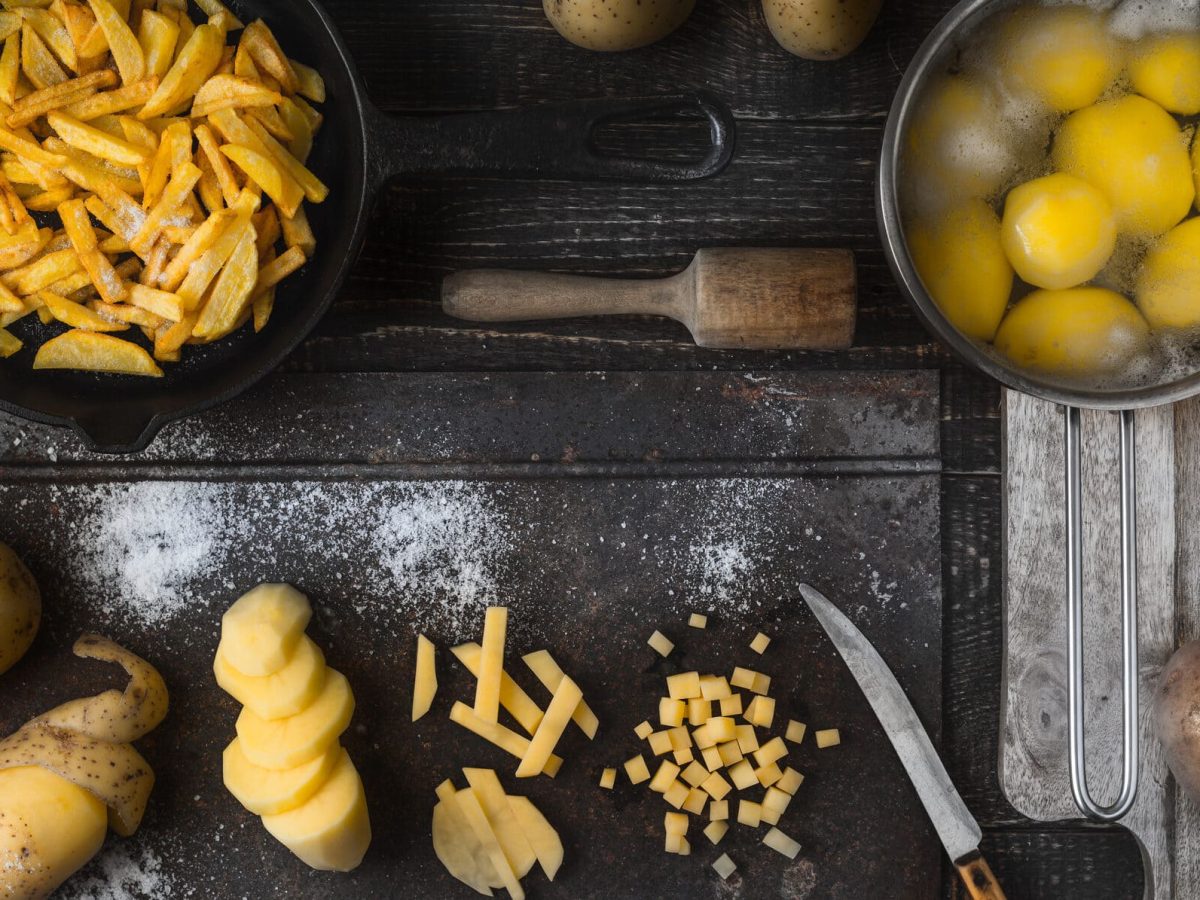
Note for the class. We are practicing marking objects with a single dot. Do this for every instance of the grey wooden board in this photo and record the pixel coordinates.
(1033, 753)
(589, 560)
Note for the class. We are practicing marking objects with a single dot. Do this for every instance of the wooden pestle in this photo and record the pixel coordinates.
(731, 299)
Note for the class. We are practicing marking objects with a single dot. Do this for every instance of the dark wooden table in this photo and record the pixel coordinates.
(803, 175)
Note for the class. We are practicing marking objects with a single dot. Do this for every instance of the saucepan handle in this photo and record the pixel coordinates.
(551, 141)
(1076, 725)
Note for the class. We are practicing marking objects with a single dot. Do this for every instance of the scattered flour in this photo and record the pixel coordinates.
(121, 873)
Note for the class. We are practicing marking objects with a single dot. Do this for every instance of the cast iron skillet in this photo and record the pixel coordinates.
(357, 150)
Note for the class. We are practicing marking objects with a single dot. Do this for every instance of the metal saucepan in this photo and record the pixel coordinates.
(359, 148)
(933, 58)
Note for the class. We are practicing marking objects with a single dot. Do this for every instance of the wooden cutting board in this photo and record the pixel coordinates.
(599, 508)
(1033, 752)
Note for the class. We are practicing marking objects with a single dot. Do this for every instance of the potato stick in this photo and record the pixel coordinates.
(199, 243)
(42, 272)
(127, 52)
(300, 146)
(21, 254)
(93, 140)
(170, 338)
(204, 270)
(156, 261)
(182, 182)
(31, 106)
(219, 162)
(17, 172)
(547, 671)
(491, 663)
(472, 810)
(313, 187)
(77, 315)
(512, 697)
(90, 174)
(161, 303)
(139, 132)
(269, 176)
(298, 233)
(207, 187)
(262, 306)
(232, 92)
(566, 698)
(28, 150)
(10, 302)
(83, 238)
(108, 102)
(216, 8)
(174, 149)
(158, 36)
(178, 234)
(48, 201)
(123, 312)
(309, 82)
(228, 307)
(279, 269)
(49, 178)
(37, 62)
(504, 738)
(269, 56)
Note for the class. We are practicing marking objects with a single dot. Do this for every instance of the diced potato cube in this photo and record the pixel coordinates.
(661, 643)
(711, 757)
(671, 712)
(695, 774)
(791, 781)
(828, 737)
(664, 777)
(724, 866)
(685, 849)
(644, 730)
(760, 643)
(681, 738)
(695, 801)
(742, 775)
(762, 684)
(731, 705)
(761, 712)
(608, 778)
(703, 739)
(772, 751)
(795, 731)
(714, 687)
(684, 756)
(742, 678)
(770, 816)
(749, 813)
(684, 686)
(636, 770)
(718, 810)
(776, 799)
(716, 786)
(660, 742)
(730, 753)
(721, 729)
(781, 843)
(698, 620)
(746, 738)
(768, 775)
(674, 843)
(699, 710)
(714, 831)
(675, 823)
(676, 794)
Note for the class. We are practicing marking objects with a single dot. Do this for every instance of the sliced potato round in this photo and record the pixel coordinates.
(285, 693)
(295, 740)
(267, 792)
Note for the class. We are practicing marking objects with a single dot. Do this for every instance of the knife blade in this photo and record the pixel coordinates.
(956, 827)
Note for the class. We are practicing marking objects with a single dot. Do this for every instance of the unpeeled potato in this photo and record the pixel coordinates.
(20, 608)
(821, 29)
(616, 24)
(1177, 719)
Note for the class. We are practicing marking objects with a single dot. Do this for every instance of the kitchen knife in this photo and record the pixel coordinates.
(952, 820)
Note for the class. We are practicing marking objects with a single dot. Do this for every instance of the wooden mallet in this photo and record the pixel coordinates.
(730, 299)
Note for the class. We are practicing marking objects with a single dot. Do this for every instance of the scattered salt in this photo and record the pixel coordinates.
(121, 873)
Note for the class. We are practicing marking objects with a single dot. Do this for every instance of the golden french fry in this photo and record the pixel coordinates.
(123, 312)
(163, 304)
(208, 188)
(315, 119)
(314, 189)
(298, 233)
(34, 106)
(10, 23)
(278, 269)
(76, 315)
(10, 68)
(90, 173)
(96, 142)
(201, 273)
(232, 92)
(83, 238)
(263, 305)
(77, 287)
(28, 150)
(9, 343)
(182, 181)
(309, 82)
(170, 338)
(156, 261)
(269, 56)
(158, 36)
(264, 171)
(231, 293)
(109, 102)
(138, 132)
(47, 201)
(53, 31)
(174, 148)
(10, 302)
(222, 171)
(216, 8)
(300, 146)
(42, 272)
(17, 250)
(193, 66)
(13, 213)
(37, 62)
(95, 353)
(266, 224)
(195, 247)
(127, 52)
(78, 19)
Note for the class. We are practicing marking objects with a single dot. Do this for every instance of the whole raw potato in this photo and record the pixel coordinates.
(616, 24)
(20, 608)
(1177, 716)
(821, 29)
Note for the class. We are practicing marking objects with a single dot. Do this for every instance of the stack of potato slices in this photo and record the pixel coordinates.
(172, 163)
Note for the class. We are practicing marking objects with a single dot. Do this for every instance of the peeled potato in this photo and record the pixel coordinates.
(20, 608)
(1134, 152)
(267, 792)
(114, 716)
(1058, 231)
(963, 265)
(1078, 332)
(331, 831)
(1166, 69)
(616, 24)
(821, 29)
(546, 843)
(1065, 56)
(1168, 285)
(49, 828)
(281, 694)
(295, 740)
(261, 630)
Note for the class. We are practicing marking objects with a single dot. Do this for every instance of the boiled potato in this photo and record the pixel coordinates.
(295, 740)
(20, 608)
(114, 716)
(261, 630)
(1078, 332)
(1175, 716)
(1058, 231)
(331, 830)
(1134, 152)
(616, 24)
(267, 792)
(1168, 285)
(49, 828)
(1064, 56)
(821, 29)
(1166, 69)
(286, 692)
(961, 260)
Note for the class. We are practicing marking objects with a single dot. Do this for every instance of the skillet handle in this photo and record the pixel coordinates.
(117, 433)
(552, 141)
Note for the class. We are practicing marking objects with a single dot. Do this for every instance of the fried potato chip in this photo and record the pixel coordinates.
(264, 171)
(197, 61)
(232, 92)
(9, 343)
(94, 352)
(158, 36)
(127, 52)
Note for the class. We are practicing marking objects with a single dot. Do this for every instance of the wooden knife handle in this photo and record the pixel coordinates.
(495, 295)
(977, 876)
